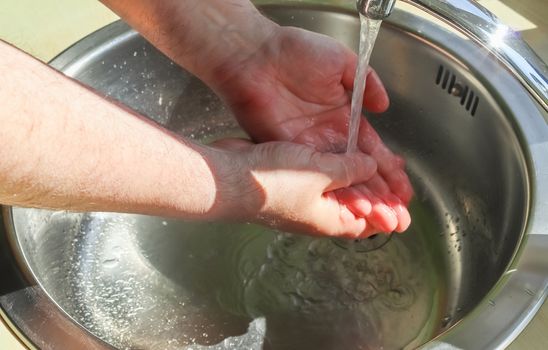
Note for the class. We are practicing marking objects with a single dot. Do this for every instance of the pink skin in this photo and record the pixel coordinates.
(296, 88)
(293, 187)
(283, 84)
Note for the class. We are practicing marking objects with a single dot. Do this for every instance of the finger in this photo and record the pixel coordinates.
(232, 144)
(394, 183)
(349, 70)
(368, 139)
(401, 212)
(351, 225)
(404, 217)
(380, 188)
(399, 183)
(382, 217)
(358, 203)
(354, 200)
(344, 170)
(400, 161)
(375, 97)
(361, 229)
(389, 165)
(338, 219)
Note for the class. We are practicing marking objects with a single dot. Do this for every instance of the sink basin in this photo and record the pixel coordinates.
(470, 272)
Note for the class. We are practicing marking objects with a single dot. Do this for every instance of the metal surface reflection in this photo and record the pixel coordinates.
(485, 28)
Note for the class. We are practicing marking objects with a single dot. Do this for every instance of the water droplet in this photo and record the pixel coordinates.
(446, 321)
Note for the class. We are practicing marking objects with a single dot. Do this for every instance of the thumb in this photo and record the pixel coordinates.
(345, 170)
(338, 220)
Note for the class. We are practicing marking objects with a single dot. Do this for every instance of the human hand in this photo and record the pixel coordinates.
(295, 88)
(290, 187)
(284, 84)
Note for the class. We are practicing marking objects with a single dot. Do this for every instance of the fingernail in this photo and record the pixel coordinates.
(346, 214)
(404, 219)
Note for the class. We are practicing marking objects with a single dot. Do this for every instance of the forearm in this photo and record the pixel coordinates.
(207, 37)
(64, 147)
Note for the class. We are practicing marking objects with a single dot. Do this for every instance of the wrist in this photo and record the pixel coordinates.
(239, 45)
(235, 195)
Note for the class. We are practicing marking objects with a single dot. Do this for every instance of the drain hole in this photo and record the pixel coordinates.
(464, 94)
(440, 73)
(451, 83)
(445, 79)
(454, 86)
(469, 101)
(475, 106)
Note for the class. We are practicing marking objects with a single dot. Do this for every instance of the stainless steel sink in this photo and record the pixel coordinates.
(469, 273)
